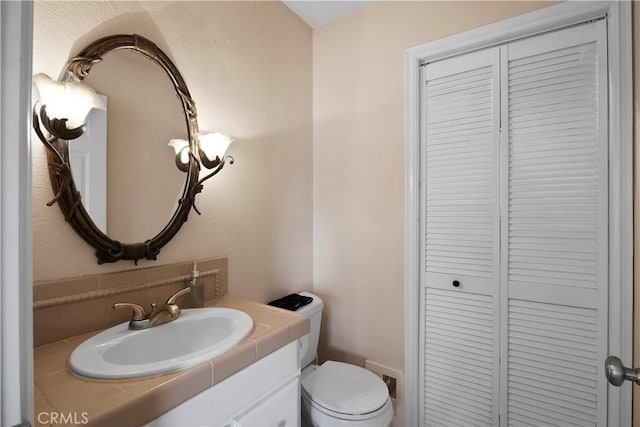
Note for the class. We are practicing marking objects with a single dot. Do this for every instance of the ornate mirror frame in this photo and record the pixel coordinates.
(66, 193)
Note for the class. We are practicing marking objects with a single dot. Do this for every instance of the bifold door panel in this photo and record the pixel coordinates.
(461, 246)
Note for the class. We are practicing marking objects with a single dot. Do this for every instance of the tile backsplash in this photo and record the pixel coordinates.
(68, 307)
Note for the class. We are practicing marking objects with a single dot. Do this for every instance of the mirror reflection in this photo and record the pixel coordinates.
(142, 186)
(88, 160)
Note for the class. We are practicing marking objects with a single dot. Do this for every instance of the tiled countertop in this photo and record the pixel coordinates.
(61, 396)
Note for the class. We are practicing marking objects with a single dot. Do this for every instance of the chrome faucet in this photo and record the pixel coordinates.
(166, 313)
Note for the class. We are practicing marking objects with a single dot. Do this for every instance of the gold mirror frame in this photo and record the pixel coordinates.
(68, 196)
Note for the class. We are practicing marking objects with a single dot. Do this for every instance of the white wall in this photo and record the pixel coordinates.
(248, 67)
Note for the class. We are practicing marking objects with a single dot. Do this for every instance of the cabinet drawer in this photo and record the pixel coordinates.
(279, 409)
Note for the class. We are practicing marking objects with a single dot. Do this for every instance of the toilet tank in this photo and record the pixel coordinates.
(309, 343)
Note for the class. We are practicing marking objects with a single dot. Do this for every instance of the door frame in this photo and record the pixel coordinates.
(620, 59)
(16, 308)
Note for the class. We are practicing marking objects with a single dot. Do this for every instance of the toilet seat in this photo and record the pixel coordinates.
(345, 391)
(380, 417)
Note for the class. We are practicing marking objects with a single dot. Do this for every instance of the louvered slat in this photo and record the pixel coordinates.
(459, 136)
(459, 358)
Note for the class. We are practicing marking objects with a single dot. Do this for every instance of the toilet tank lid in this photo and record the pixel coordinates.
(311, 308)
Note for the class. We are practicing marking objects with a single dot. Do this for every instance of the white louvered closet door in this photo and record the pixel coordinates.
(461, 240)
(554, 278)
(515, 233)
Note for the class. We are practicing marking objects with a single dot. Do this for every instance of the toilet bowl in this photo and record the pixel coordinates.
(339, 394)
(336, 393)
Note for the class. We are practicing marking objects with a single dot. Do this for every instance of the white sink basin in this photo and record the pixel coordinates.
(196, 336)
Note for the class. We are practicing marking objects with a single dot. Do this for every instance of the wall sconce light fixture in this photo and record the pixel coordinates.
(60, 110)
(65, 104)
(210, 149)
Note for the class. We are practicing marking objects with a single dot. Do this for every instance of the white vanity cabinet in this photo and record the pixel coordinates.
(266, 393)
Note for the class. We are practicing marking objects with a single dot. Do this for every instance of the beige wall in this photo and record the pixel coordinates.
(358, 160)
(248, 67)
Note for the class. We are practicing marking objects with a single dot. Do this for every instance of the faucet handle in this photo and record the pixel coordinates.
(138, 311)
(172, 298)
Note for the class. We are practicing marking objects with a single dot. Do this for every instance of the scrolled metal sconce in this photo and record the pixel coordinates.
(50, 130)
(59, 114)
(211, 149)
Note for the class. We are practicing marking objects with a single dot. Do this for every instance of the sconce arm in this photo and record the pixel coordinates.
(64, 172)
(58, 127)
(200, 185)
(58, 130)
(36, 127)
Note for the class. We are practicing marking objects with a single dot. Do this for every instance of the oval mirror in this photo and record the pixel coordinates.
(126, 197)
(141, 184)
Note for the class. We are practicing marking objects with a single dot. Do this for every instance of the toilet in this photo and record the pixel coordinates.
(336, 393)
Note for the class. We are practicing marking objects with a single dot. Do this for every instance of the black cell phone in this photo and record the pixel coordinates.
(291, 302)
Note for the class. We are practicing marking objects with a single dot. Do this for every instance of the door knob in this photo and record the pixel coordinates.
(617, 373)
